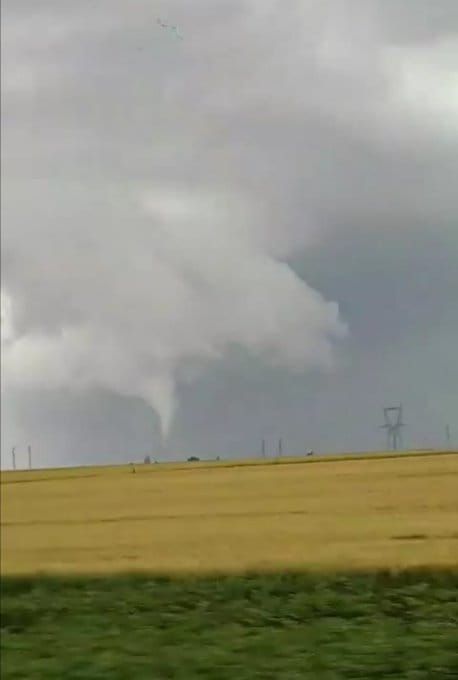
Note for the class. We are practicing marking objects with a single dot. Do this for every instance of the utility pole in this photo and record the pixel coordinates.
(263, 448)
(29, 451)
(280, 447)
(393, 426)
(448, 437)
(13, 455)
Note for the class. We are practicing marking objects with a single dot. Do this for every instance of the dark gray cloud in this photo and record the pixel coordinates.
(176, 215)
(418, 20)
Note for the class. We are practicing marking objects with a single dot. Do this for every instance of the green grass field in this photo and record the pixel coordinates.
(264, 627)
(344, 568)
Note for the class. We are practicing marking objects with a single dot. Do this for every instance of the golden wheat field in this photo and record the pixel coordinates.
(343, 513)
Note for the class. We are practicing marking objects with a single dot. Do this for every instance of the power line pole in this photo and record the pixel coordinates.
(263, 448)
(29, 451)
(393, 426)
(448, 436)
(13, 455)
(280, 447)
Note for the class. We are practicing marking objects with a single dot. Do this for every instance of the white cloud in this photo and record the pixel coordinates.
(185, 288)
(428, 85)
(155, 191)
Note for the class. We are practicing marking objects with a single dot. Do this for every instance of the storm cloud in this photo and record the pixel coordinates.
(251, 231)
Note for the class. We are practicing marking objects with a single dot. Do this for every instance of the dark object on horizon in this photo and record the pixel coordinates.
(393, 426)
(309, 452)
(147, 460)
(448, 437)
(193, 459)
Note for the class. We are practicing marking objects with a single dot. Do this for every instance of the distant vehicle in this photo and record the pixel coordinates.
(193, 459)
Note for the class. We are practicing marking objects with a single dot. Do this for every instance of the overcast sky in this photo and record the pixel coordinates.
(248, 232)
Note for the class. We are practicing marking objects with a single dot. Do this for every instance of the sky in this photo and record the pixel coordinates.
(248, 233)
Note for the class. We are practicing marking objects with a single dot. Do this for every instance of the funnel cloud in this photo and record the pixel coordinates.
(250, 232)
(183, 281)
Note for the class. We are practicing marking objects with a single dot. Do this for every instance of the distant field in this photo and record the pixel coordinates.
(313, 534)
(9, 476)
(340, 513)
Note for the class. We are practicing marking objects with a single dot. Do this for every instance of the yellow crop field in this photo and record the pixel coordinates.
(389, 512)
